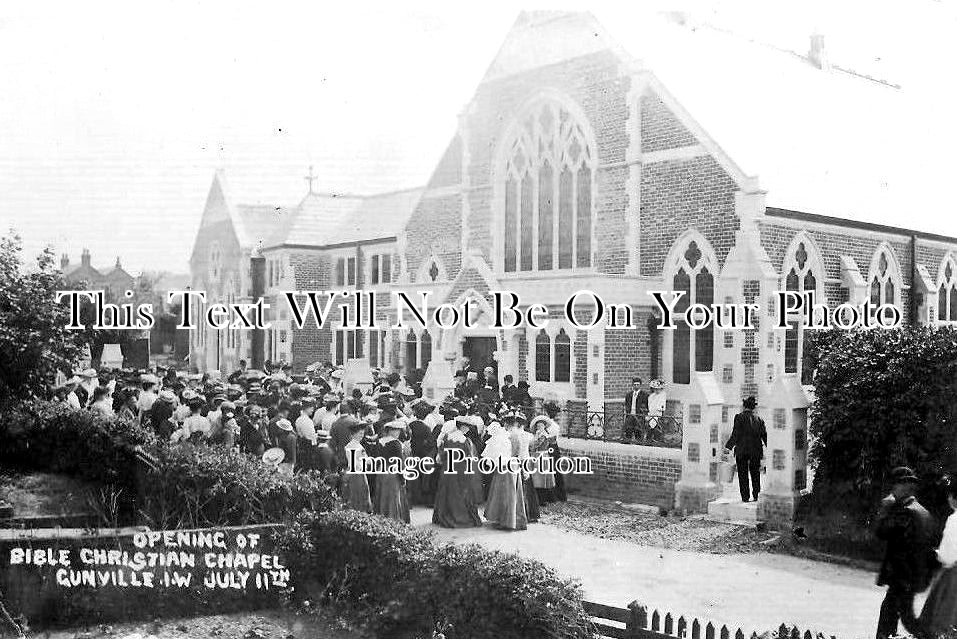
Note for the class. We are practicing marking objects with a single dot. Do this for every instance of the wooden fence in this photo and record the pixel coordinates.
(635, 622)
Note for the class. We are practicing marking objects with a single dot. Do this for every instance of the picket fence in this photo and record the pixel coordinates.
(635, 622)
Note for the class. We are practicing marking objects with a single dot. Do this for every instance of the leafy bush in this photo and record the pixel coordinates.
(883, 398)
(199, 485)
(54, 437)
(189, 485)
(34, 339)
(410, 585)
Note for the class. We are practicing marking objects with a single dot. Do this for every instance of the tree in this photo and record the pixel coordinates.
(34, 339)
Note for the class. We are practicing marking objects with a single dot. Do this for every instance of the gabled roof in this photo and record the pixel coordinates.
(830, 143)
(329, 219)
(378, 217)
(313, 222)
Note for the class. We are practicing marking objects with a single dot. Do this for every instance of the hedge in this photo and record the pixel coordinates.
(411, 586)
(883, 398)
(190, 486)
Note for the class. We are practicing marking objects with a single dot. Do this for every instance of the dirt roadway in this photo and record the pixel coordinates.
(756, 591)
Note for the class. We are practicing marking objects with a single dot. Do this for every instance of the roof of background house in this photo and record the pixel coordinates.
(821, 142)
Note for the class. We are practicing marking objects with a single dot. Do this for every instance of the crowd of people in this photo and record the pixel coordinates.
(311, 421)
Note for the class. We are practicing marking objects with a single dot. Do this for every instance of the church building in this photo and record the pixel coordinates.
(661, 157)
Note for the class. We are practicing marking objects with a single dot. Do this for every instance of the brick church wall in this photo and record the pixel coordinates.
(680, 194)
(860, 245)
(595, 82)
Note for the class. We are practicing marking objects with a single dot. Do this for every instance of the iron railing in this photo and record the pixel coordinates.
(609, 425)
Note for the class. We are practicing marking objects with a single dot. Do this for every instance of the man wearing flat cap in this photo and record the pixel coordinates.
(748, 439)
(909, 559)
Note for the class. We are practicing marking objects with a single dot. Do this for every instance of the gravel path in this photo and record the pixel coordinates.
(692, 570)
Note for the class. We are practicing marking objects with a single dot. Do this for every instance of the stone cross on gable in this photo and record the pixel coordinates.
(310, 179)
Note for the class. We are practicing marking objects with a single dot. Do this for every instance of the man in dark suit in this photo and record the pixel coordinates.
(748, 439)
(909, 560)
(636, 409)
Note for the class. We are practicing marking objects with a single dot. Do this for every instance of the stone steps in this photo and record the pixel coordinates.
(733, 510)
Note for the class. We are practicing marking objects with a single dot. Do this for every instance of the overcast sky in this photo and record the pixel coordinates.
(113, 116)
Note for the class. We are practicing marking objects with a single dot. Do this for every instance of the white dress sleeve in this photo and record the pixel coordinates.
(947, 552)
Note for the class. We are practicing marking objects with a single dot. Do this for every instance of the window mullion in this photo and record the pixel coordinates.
(536, 184)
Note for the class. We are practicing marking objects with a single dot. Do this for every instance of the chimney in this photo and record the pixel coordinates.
(85, 257)
(818, 54)
(64, 261)
(118, 262)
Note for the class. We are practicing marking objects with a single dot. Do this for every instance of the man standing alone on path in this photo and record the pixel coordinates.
(748, 439)
(910, 532)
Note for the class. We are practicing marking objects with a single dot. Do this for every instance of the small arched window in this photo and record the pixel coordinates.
(411, 351)
(884, 279)
(696, 281)
(543, 357)
(425, 349)
(563, 357)
(801, 275)
(947, 292)
(548, 193)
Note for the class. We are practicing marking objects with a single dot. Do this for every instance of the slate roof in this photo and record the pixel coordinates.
(328, 219)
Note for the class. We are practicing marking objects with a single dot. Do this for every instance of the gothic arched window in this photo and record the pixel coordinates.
(411, 351)
(947, 292)
(548, 193)
(802, 274)
(425, 349)
(696, 280)
(563, 357)
(884, 279)
(543, 357)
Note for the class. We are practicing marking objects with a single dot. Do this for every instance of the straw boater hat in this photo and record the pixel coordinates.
(274, 456)
(167, 396)
(656, 384)
(337, 374)
(395, 424)
(284, 424)
(89, 373)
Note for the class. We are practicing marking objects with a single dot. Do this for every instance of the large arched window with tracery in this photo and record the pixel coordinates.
(695, 277)
(947, 291)
(549, 176)
(802, 273)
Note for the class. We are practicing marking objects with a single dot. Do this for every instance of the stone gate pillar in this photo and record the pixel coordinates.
(786, 453)
(702, 416)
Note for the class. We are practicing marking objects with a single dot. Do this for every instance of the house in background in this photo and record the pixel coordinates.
(114, 280)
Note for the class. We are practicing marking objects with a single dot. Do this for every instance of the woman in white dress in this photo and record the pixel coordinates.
(505, 506)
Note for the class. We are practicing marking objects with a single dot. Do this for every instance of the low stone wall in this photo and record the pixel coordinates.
(625, 472)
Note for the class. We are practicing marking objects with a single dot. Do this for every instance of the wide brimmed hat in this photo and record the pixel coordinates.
(904, 475)
(274, 456)
(149, 378)
(551, 405)
(337, 374)
(89, 373)
(656, 384)
(167, 396)
(750, 402)
(284, 424)
(395, 424)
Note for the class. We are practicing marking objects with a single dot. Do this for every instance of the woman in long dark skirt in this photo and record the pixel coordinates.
(516, 430)
(422, 445)
(391, 499)
(354, 487)
(456, 505)
(939, 615)
(551, 411)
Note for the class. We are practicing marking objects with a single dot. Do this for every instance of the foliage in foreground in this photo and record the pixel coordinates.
(883, 398)
(34, 340)
(185, 486)
(410, 585)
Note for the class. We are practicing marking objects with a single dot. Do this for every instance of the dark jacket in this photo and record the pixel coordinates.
(910, 533)
(642, 402)
(749, 436)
